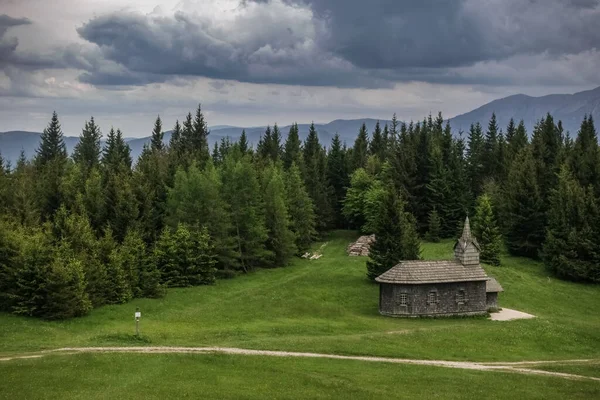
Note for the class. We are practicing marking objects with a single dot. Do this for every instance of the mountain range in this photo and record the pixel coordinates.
(569, 108)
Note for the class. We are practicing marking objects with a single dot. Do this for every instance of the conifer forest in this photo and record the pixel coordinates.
(97, 227)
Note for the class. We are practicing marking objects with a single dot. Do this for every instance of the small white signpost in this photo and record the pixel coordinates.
(138, 315)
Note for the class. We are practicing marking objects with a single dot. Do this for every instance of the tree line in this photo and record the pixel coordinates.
(96, 228)
(536, 196)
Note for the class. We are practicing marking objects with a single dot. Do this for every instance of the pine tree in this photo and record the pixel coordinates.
(65, 294)
(337, 175)
(175, 144)
(517, 142)
(120, 204)
(281, 239)
(585, 158)
(300, 209)
(475, 159)
(243, 142)
(52, 145)
(116, 155)
(215, 154)
(491, 160)
(439, 192)
(241, 191)
(360, 149)
(139, 267)
(87, 150)
(434, 228)
(28, 295)
(377, 145)
(156, 141)
(354, 202)
(571, 245)
(9, 251)
(547, 151)
(372, 206)
(315, 178)
(396, 237)
(194, 138)
(486, 231)
(523, 211)
(50, 164)
(185, 257)
(149, 184)
(292, 152)
(197, 201)
(275, 144)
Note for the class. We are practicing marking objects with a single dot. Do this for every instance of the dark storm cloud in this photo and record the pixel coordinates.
(8, 45)
(393, 34)
(350, 43)
(154, 48)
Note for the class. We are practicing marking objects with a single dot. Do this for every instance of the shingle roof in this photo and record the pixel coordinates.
(493, 286)
(467, 237)
(417, 272)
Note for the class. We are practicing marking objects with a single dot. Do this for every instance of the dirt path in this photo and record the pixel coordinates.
(515, 367)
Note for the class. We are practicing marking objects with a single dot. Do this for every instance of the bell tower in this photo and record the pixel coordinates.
(466, 249)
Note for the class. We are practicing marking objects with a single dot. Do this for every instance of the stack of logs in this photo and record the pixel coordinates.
(361, 246)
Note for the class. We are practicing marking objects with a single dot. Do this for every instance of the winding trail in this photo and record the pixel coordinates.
(515, 367)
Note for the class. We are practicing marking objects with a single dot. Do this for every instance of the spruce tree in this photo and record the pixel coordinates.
(517, 141)
(523, 210)
(116, 156)
(547, 151)
(476, 159)
(185, 257)
(9, 251)
(292, 152)
(396, 237)
(300, 209)
(149, 184)
(571, 246)
(243, 142)
(315, 178)
(585, 158)
(372, 206)
(354, 202)
(281, 239)
(196, 199)
(486, 231)
(337, 175)
(87, 150)
(262, 148)
(50, 162)
(140, 267)
(360, 149)
(377, 145)
(434, 228)
(491, 159)
(28, 295)
(52, 146)
(242, 193)
(156, 140)
(65, 288)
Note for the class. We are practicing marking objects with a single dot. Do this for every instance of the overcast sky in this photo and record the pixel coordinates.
(256, 62)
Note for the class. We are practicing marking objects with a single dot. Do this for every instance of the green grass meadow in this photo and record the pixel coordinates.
(160, 376)
(325, 305)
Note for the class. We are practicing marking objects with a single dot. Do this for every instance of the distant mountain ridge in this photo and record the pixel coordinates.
(569, 108)
(11, 143)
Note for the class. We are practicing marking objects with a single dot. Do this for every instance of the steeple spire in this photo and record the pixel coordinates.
(466, 249)
(466, 235)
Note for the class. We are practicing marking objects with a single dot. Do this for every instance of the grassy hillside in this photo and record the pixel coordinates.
(161, 376)
(328, 306)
